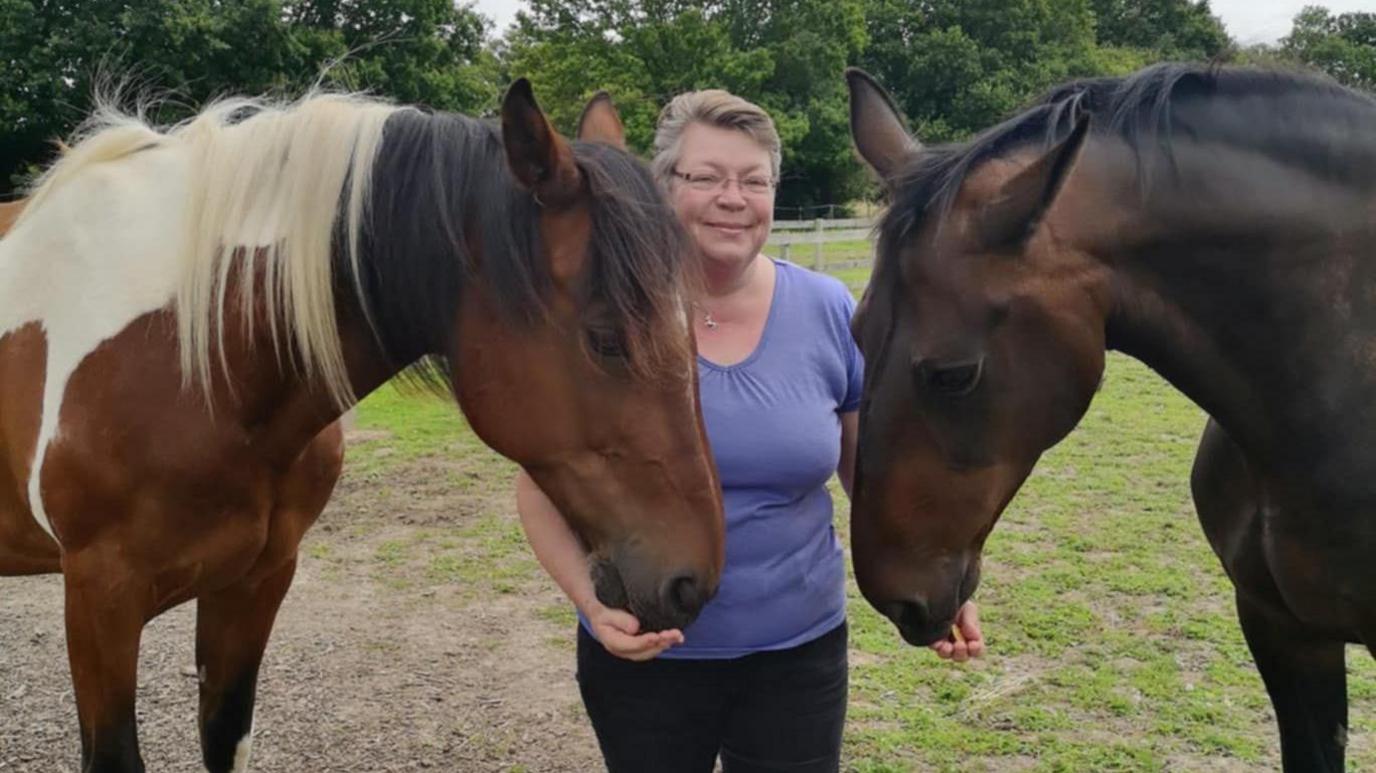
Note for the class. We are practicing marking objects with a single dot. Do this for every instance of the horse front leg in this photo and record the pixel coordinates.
(1307, 680)
(232, 630)
(234, 623)
(1304, 673)
(106, 608)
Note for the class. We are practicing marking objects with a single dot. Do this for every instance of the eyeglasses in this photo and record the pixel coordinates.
(755, 185)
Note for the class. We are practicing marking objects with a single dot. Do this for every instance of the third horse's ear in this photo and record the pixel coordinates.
(541, 160)
(1014, 213)
(878, 130)
(600, 122)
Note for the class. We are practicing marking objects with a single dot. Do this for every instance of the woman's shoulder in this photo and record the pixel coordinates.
(815, 285)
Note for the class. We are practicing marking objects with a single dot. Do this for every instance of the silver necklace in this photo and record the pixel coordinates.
(706, 317)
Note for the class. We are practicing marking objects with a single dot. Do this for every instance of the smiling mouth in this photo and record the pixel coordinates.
(728, 227)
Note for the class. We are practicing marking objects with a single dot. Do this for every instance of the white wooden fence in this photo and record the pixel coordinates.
(791, 239)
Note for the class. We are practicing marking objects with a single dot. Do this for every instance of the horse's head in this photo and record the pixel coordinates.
(983, 336)
(597, 396)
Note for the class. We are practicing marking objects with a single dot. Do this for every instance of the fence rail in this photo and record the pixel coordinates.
(791, 235)
(810, 225)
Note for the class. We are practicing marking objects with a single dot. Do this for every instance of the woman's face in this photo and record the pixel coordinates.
(723, 191)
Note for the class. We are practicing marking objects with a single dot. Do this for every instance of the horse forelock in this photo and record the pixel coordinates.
(639, 251)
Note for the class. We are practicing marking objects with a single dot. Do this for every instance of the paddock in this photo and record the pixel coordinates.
(420, 634)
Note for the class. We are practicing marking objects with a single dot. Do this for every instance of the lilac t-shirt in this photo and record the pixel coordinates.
(773, 421)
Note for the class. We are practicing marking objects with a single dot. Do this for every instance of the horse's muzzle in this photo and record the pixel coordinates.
(659, 606)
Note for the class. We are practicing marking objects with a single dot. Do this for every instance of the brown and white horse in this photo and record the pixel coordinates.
(9, 212)
(184, 314)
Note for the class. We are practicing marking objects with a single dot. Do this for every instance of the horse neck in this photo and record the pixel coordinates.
(1251, 301)
(289, 411)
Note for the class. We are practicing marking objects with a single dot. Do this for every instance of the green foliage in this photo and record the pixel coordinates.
(954, 66)
(786, 55)
(57, 54)
(1344, 46)
(1169, 29)
(957, 66)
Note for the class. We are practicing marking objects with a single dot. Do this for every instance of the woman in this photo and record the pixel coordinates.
(760, 677)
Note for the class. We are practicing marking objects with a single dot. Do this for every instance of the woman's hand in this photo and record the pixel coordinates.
(619, 632)
(970, 642)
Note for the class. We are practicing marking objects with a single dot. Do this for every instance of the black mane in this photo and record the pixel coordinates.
(1274, 112)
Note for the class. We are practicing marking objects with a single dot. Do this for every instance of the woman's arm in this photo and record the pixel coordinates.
(562, 555)
(850, 430)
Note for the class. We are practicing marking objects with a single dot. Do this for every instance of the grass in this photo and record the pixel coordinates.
(1113, 642)
(397, 425)
(848, 261)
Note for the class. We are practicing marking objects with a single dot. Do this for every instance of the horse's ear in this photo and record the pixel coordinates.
(601, 123)
(1014, 213)
(541, 160)
(876, 126)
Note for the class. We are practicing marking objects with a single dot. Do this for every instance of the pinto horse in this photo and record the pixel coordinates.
(1220, 226)
(9, 212)
(184, 314)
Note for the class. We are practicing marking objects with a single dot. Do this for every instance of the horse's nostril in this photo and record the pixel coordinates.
(907, 615)
(684, 594)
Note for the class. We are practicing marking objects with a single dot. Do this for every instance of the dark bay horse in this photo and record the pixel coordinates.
(185, 313)
(1220, 226)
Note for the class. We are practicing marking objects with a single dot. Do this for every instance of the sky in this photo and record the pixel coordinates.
(1248, 21)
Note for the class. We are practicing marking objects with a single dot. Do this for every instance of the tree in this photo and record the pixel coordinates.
(785, 55)
(1343, 46)
(54, 52)
(1167, 29)
(957, 66)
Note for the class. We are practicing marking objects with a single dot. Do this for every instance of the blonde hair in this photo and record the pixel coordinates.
(712, 107)
(267, 192)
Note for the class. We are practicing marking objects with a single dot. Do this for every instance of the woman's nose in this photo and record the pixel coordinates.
(731, 198)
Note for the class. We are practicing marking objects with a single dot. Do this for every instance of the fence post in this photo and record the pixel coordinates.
(783, 251)
(817, 264)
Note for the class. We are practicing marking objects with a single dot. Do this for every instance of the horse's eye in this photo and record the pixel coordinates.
(607, 344)
(950, 380)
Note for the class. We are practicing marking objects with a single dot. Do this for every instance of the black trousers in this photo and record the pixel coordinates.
(770, 711)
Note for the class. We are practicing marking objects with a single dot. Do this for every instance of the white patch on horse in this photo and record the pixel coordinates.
(101, 251)
(243, 751)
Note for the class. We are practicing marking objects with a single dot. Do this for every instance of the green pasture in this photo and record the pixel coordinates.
(1113, 643)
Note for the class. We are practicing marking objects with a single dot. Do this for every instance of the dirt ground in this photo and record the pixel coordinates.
(377, 662)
